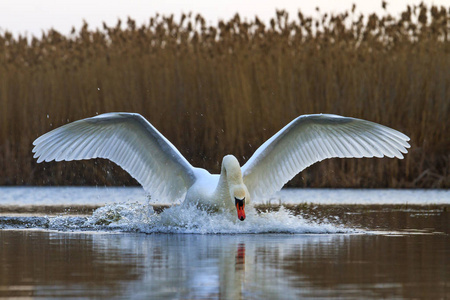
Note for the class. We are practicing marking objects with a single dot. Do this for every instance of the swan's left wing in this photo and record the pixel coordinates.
(311, 138)
(130, 141)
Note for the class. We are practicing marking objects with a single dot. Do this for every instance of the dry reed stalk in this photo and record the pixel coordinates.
(227, 88)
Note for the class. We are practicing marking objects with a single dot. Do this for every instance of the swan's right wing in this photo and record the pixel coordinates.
(130, 141)
(311, 138)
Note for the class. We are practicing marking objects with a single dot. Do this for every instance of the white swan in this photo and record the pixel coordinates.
(130, 141)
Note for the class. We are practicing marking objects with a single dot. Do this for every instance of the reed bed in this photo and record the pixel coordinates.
(226, 88)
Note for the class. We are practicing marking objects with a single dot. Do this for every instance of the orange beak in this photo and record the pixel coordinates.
(240, 205)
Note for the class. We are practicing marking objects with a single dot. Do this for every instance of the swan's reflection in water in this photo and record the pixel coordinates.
(49, 264)
(232, 272)
(240, 257)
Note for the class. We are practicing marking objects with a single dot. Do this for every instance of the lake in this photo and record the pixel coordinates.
(112, 243)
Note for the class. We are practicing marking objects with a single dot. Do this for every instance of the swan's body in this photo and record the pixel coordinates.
(134, 144)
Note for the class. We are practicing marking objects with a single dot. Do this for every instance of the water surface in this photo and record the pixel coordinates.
(127, 250)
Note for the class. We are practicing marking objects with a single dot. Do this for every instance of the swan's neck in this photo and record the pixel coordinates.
(231, 170)
(230, 180)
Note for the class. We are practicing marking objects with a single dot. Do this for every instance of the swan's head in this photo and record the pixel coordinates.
(239, 202)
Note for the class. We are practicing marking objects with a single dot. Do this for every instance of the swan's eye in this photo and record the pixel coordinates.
(239, 202)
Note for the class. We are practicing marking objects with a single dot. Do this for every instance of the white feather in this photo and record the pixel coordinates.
(311, 138)
(128, 140)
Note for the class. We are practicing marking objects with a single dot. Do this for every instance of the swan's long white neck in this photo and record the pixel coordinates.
(230, 183)
(232, 170)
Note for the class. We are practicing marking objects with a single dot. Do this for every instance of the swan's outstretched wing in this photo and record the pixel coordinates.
(312, 138)
(130, 141)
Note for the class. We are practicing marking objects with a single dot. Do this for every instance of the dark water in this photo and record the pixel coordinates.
(402, 254)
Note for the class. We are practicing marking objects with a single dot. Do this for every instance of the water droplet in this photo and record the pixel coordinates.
(98, 89)
(48, 116)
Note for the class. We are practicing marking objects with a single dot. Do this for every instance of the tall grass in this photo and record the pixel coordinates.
(214, 90)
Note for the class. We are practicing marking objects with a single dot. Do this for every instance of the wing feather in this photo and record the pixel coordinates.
(128, 140)
(311, 138)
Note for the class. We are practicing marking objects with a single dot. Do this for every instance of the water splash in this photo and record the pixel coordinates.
(138, 217)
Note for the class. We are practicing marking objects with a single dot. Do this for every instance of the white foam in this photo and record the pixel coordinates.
(179, 219)
(137, 215)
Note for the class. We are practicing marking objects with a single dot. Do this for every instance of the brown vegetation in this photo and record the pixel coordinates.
(214, 90)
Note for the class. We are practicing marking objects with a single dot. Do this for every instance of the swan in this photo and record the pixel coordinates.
(131, 142)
